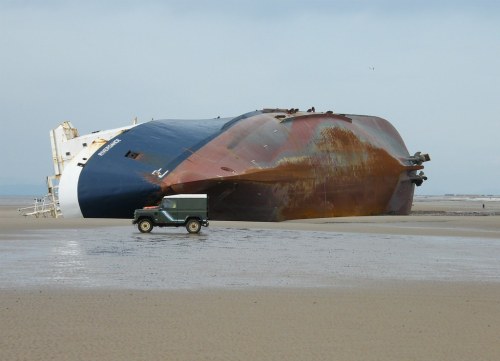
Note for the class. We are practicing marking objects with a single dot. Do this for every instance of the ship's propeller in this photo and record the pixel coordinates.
(418, 158)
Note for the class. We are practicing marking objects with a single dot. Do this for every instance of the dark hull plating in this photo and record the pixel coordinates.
(262, 166)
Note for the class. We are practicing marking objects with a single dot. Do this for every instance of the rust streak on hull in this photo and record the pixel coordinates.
(308, 168)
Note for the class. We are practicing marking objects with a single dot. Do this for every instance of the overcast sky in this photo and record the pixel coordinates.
(99, 64)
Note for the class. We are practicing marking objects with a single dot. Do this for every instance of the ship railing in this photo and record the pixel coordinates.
(46, 206)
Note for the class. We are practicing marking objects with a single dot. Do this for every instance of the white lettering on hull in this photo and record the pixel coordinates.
(108, 147)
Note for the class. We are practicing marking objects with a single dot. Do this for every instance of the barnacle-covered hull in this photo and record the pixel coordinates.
(268, 165)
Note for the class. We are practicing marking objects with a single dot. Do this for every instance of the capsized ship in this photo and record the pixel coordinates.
(266, 165)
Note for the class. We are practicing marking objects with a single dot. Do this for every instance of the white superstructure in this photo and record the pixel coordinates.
(70, 153)
(67, 144)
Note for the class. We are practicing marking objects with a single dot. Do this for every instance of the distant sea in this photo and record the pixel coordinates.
(459, 197)
(17, 200)
(28, 200)
(22, 189)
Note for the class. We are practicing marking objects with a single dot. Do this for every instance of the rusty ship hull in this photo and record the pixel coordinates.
(267, 165)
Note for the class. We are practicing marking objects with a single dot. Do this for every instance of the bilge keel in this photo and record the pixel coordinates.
(267, 165)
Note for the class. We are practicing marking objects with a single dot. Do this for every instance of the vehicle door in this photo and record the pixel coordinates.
(169, 212)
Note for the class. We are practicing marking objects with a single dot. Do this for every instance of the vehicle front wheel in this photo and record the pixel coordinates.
(193, 226)
(145, 226)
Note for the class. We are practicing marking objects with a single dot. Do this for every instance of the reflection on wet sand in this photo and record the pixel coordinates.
(120, 257)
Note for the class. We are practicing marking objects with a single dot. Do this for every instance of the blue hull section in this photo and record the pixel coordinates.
(124, 174)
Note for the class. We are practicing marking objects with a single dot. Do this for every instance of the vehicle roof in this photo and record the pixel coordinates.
(186, 196)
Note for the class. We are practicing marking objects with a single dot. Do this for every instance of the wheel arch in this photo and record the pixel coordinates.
(188, 218)
(140, 218)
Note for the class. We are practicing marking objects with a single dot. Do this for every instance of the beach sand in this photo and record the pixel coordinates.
(386, 320)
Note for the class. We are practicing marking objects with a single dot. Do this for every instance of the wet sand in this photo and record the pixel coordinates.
(385, 319)
(429, 218)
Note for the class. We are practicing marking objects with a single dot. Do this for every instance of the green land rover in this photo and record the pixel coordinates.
(188, 210)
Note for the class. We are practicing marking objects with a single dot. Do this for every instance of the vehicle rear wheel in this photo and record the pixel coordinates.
(145, 226)
(193, 226)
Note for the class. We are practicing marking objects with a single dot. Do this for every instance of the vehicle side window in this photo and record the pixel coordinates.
(169, 203)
